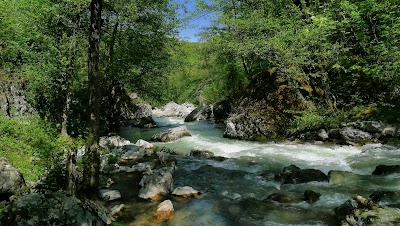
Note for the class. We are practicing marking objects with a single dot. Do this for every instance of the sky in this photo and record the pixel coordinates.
(194, 26)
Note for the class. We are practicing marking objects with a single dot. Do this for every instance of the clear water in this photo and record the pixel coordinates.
(234, 190)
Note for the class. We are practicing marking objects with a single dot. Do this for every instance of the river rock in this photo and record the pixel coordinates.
(201, 153)
(372, 126)
(145, 144)
(52, 209)
(185, 192)
(294, 175)
(165, 210)
(282, 198)
(109, 195)
(386, 169)
(133, 152)
(199, 114)
(172, 134)
(173, 109)
(116, 211)
(158, 184)
(361, 211)
(354, 135)
(389, 132)
(322, 135)
(109, 142)
(11, 180)
(311, 196)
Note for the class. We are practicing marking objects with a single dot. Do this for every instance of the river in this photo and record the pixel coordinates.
(234, 189)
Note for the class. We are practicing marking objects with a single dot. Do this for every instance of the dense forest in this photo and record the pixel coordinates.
(283, 68)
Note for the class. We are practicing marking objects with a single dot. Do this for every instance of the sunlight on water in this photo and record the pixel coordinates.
(234, 190)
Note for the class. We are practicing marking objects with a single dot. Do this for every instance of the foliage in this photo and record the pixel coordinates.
(31, 145)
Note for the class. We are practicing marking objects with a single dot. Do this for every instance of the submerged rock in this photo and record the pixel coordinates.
(52, 209)
(201, 153)
(11, 180)
(386, 169)
(385, 196)
(341, 177)
(172, 134)
(294, 175)
(282, 198)
(185, 192)
(311, 196)
(165, 210)
(361, 211)
(158, 184)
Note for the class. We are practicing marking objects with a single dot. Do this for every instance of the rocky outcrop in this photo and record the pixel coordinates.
(173, 109)
(52, 209)
(386, 169)
(263, 111)
(11, 181)
(361, 211)
(294, 175)
(172, 134)
(165, 210)
(185, 192)
(158, 184)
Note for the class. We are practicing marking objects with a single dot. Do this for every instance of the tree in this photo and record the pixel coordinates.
(91, 176)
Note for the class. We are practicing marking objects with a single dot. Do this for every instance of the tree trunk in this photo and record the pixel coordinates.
(92, 171)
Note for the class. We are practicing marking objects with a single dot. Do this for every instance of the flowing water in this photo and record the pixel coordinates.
(234, 190)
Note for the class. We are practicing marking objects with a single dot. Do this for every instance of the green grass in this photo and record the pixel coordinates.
(29, 144)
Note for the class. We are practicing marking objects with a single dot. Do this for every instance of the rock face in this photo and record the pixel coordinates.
(385, 170)
(361, 211)
(294, 175)
(173, 109)
(158, 184)
(11, 180)
(52, 209)
(109, 195)
(185, 192)
(12, 101)
(172, 134)
(165, 210)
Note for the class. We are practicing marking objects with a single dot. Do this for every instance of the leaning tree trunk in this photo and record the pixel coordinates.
(92, 171)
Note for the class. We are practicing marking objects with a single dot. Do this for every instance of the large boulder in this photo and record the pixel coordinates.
(139, 115)
(52, 209)
(350, 135)
(361, 211)
(11, 181)
(145, 144)
(386, 169)
(172, 134)
(109, 195)
(173, 109)
(217, 112)
(294, 175)
(158, 184)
